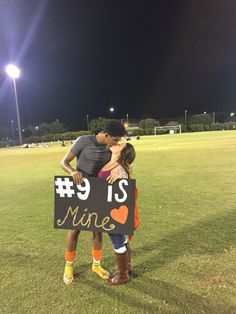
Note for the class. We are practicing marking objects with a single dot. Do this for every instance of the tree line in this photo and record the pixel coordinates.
(56, 130)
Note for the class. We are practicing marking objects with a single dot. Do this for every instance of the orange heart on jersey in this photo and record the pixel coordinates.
(120, 214)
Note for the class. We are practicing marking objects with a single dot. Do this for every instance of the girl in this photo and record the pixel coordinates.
(118, 168)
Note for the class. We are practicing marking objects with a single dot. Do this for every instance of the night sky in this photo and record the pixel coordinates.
(145, 58)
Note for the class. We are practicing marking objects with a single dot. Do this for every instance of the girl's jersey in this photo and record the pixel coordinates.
(123, 175)
(119, 171)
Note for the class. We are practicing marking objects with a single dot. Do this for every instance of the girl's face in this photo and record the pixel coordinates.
(116, 149)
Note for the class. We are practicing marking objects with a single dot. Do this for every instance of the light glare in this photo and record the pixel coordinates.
(13, 71)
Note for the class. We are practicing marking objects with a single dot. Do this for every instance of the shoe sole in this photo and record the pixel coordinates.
(67, 281)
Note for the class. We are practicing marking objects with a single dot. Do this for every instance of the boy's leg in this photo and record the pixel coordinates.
(97, 255)
(71, 243)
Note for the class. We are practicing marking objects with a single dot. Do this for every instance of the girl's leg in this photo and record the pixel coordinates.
(128, 249)
(121, 276)
(97, 255)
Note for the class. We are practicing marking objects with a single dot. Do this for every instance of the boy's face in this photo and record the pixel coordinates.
(111, 140)
(117, 149)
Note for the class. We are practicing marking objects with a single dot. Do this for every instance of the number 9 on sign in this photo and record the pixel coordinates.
(84, 189)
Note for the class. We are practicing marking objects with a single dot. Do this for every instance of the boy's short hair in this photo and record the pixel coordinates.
(114, 128)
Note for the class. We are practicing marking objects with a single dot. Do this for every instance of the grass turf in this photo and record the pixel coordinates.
(184, 253)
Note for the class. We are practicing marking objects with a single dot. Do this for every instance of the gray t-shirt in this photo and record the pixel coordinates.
(91, 156)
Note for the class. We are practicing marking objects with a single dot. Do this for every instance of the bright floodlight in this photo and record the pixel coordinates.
(111, 109)
(13, 71)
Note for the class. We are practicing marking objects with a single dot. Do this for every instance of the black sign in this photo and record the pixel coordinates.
(94, 205)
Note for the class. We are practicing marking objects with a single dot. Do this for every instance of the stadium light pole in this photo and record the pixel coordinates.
(213, 117)
(111, 109)
(12, 130)
(88, 121)
(14, 73)
(185, 119)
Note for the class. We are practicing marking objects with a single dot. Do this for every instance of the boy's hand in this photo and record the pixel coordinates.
(77, 177)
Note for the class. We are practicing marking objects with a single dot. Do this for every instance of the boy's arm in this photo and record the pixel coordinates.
(66, 161)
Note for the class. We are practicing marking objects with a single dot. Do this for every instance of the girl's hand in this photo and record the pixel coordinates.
(112, 178)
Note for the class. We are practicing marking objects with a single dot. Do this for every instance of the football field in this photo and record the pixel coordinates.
(183, 254)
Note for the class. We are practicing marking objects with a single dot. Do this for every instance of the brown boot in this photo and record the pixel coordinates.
(121, 276)
(129, 268)
(128, 250)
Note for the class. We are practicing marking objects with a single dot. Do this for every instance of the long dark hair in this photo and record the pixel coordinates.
(127, 156)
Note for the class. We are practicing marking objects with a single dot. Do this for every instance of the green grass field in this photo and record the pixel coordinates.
(184, 254)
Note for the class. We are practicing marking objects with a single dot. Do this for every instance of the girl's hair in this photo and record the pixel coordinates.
(127, 156)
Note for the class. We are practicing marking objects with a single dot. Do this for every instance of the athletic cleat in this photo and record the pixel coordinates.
(68, 273)
(101, 272)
